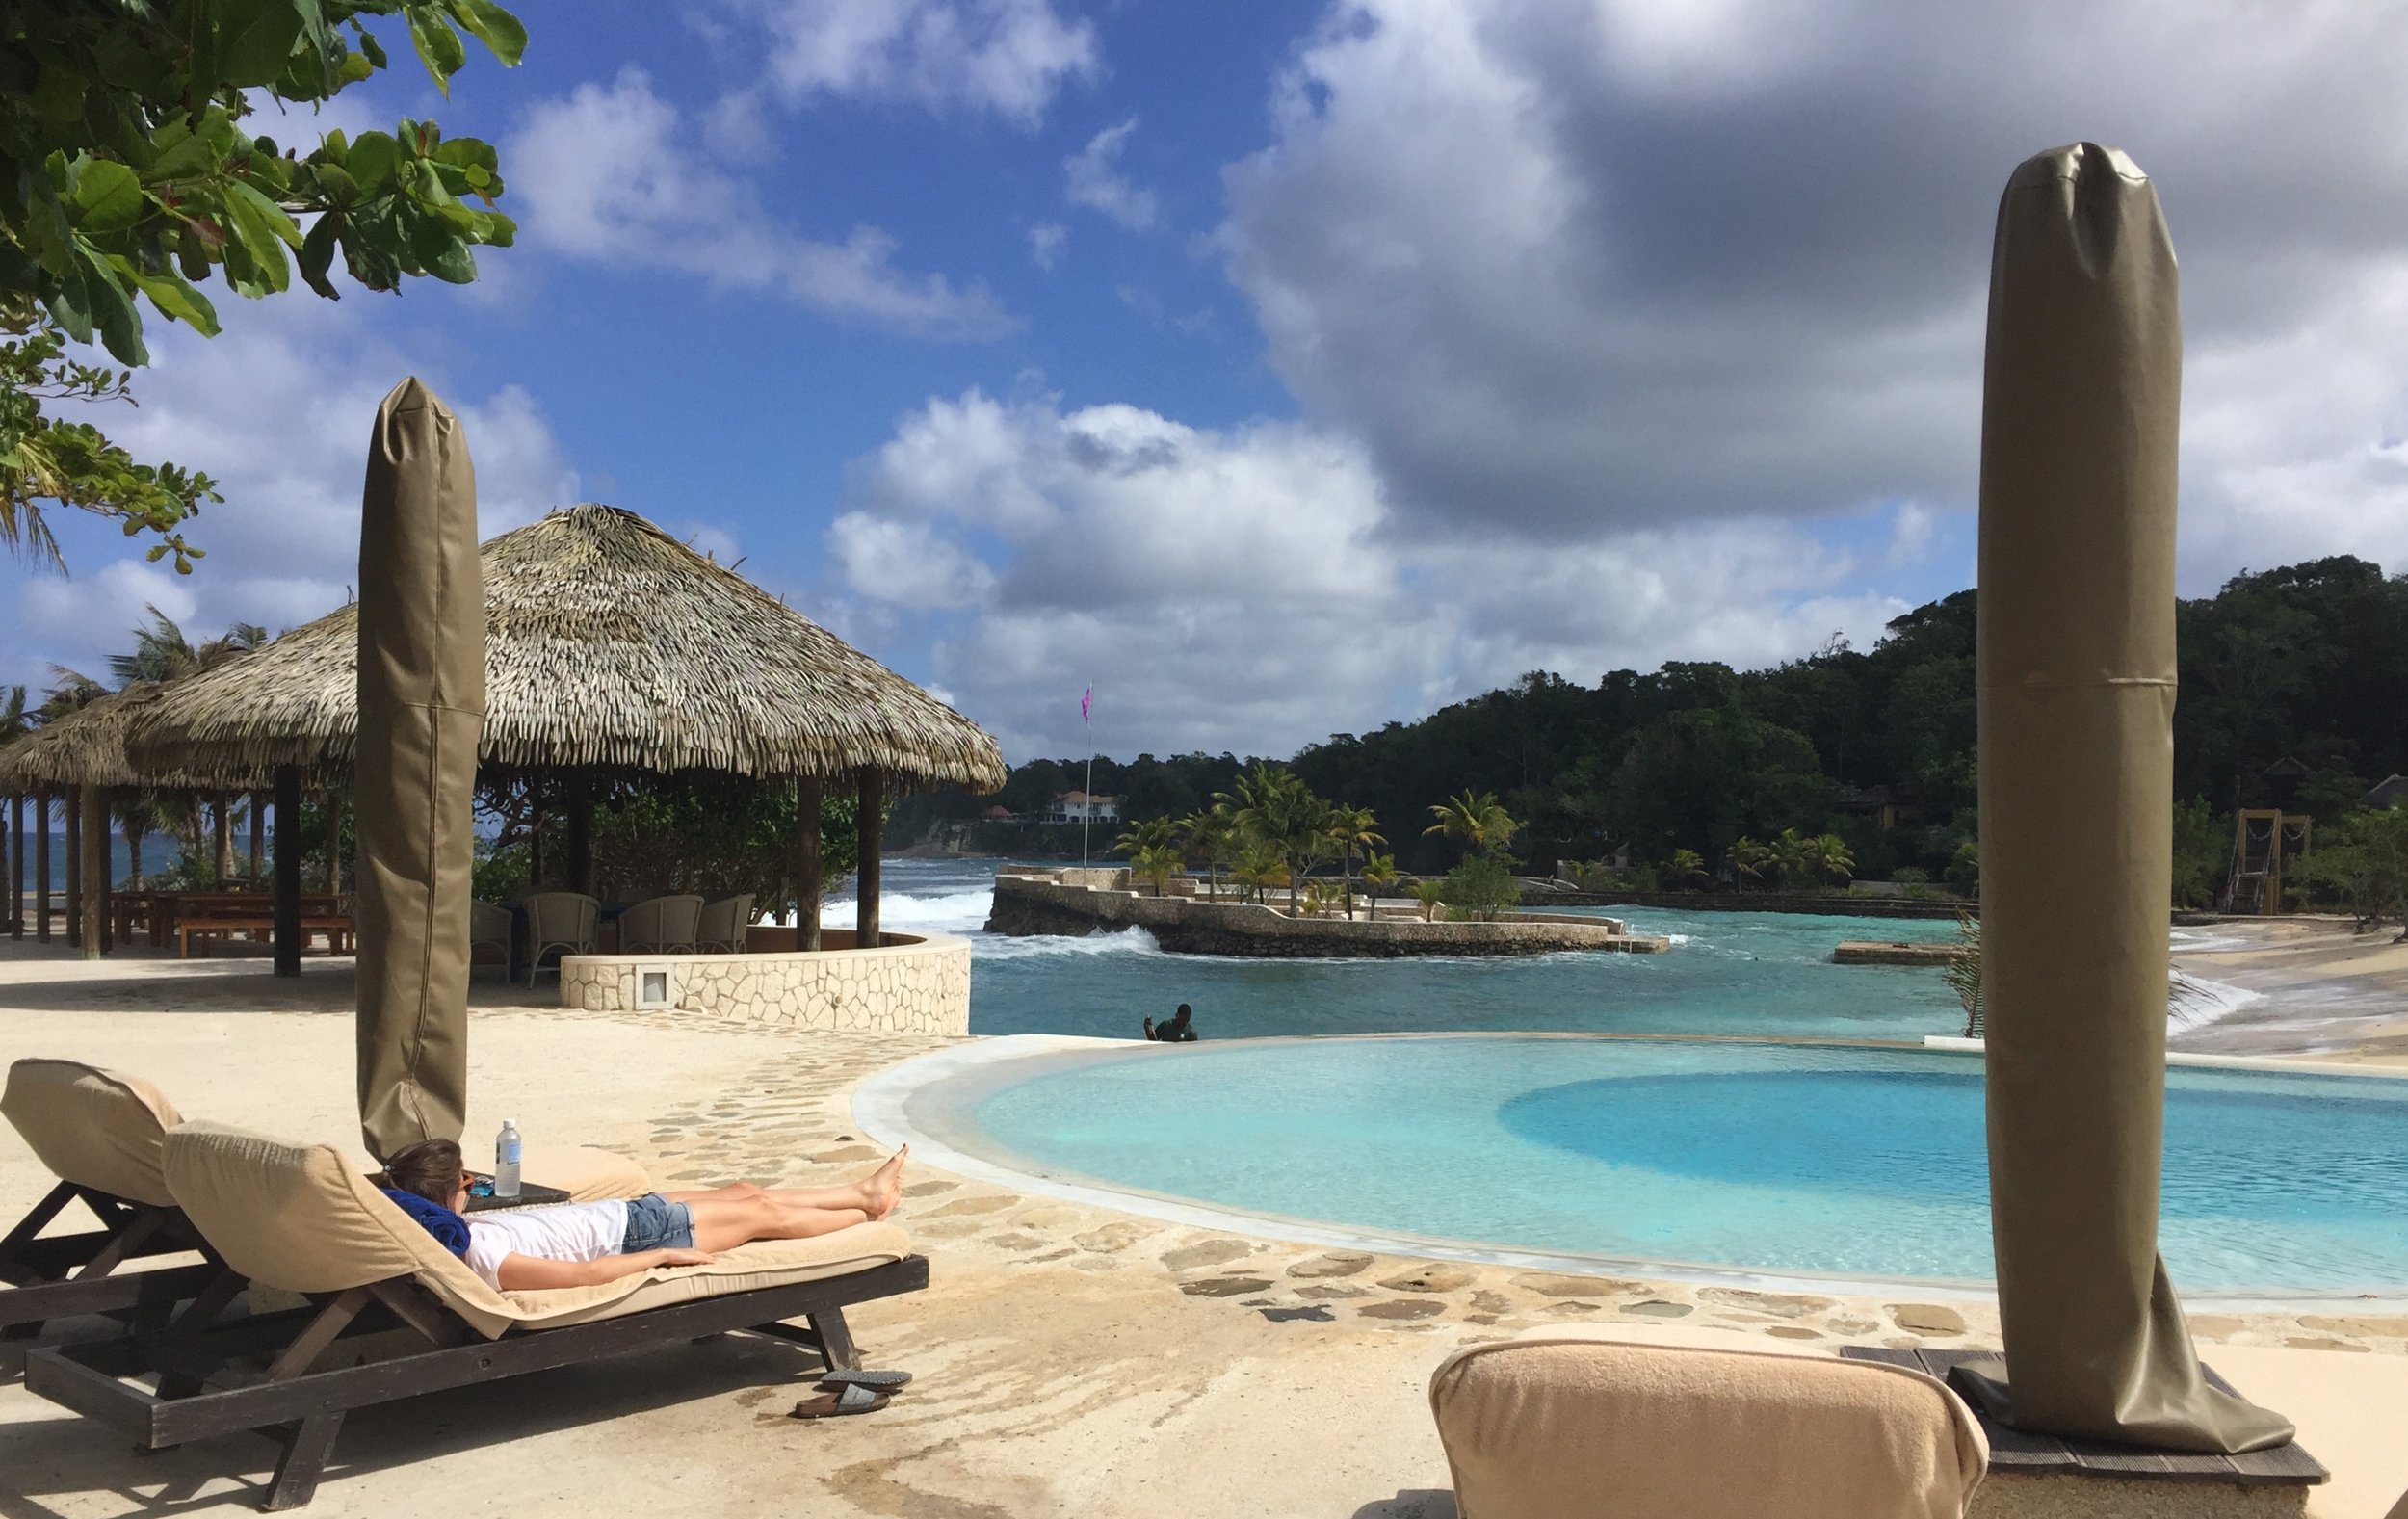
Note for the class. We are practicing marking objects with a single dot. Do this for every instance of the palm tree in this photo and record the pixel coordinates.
(1380, 872)
(1430, 894)
(1206, 834)
(1476, 818)
(1350, 828)
(1272, 807)
(1154, 833)
(1750, 860)
(1832, 858)
(1154, 862)
(1260, 865)
(1686, 866)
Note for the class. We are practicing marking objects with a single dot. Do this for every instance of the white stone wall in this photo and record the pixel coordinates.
(920, 987)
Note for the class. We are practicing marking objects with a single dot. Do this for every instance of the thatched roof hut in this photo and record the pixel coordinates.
(607, 644)
(88, 746)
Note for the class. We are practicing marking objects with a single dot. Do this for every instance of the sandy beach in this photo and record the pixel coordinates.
(1071, 1360)
(2322, 990)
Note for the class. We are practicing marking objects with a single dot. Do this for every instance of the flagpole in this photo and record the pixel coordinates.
(1086, 814)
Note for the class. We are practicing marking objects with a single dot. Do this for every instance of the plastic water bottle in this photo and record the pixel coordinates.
(506, 1159)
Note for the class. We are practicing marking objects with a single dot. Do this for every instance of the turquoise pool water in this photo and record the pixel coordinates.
(1774, 1158)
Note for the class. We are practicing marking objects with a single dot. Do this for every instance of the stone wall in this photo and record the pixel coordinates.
(1837, 905)
(1033, 904)
(918, 986)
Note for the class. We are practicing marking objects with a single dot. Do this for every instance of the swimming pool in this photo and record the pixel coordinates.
(1774, 1159)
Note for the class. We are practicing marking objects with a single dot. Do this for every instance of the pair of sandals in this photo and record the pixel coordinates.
(844, 1393)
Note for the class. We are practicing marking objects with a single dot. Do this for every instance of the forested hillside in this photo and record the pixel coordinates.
(2308, 663)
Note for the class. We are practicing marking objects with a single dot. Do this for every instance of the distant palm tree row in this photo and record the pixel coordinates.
(161, 653)
(1270, 830)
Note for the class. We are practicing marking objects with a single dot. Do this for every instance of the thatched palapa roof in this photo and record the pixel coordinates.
(607, 642)
(88, 747)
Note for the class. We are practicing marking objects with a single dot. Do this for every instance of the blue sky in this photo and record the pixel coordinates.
(1288, 369)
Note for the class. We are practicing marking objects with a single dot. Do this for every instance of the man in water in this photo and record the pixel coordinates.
(1179, 1030)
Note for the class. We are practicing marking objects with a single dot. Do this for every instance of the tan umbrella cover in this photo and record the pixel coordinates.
(2081, 394)
(421, 711)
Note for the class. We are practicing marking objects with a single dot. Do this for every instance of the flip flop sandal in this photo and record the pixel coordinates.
(876, 1381)
(837, 1404)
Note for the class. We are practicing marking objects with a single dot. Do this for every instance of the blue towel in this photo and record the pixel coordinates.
(450, 1229)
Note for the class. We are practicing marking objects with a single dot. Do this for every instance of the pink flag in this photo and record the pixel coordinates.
(1086, 706)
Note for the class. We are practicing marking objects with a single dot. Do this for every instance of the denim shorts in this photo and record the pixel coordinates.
(656, 1223)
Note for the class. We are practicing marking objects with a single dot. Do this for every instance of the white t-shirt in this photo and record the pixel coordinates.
(562, 1231)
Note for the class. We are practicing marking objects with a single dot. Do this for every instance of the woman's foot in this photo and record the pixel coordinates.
(882, 1189)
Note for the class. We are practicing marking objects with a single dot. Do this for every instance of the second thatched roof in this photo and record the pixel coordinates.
(607, 642)
(88, 747)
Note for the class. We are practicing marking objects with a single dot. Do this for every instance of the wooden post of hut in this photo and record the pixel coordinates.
(71, 809)
(809, 883)
(93, 902)
(581, 831)
(16, 867)
(41, 868)
(288, 870)
(258, 838)
(334, 843)
(869, 822)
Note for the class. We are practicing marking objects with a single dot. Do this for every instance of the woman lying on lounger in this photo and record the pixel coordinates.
(582, 1244)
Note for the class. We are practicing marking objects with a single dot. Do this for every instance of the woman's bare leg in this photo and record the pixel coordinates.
(721, 1221)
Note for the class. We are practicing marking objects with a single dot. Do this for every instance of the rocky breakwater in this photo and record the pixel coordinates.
(1027, 904)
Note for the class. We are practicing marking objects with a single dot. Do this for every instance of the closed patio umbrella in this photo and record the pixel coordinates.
(2080, 395)
(421, 714)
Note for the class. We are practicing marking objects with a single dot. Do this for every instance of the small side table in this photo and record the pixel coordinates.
(530, 1195)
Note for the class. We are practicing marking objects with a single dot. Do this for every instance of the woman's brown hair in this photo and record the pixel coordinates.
(431, 1168)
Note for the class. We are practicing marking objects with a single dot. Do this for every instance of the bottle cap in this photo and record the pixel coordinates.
(509, 1123)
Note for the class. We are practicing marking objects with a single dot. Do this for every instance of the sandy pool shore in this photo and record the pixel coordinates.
(1071, 1360)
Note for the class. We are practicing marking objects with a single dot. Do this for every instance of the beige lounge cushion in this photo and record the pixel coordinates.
(93, 1127)
(585, 1175)
(304, 1218)
(1640, 1423)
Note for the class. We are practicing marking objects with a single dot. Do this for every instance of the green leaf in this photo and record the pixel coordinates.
(337, 185)
(500, 32)
(58, 93)
(186, 156)
(372, 49)
(113, 313)
(108, 197)
(371, 162)
(259, 38)
(317, 254)
(180, 301)
(263, 231)
(440, 47)
(242, 193)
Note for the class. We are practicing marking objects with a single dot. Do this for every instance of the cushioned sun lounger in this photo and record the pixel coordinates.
(1603, 1423)
(99, 1133)
(303, 1219)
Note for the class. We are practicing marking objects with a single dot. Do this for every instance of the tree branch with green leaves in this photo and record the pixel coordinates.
(129, 174)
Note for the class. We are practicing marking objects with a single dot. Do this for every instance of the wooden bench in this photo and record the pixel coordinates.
(337, 928)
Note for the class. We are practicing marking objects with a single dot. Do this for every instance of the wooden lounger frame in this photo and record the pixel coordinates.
(55, 1276)
(255, 1374)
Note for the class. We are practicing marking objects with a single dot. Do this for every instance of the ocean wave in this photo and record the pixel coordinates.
(942, 912)
(1043, 946)
(2192, 1004)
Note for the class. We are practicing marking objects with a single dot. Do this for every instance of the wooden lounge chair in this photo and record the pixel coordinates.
(1579, 1422)
(303, 1219)
(100, 1134)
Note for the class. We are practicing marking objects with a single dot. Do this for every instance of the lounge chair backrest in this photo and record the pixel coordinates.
(93, 1127)
(489, 924)
(725, 922)
(1566, 1424)
(555, 917)
(303, 1217)
(666, 922)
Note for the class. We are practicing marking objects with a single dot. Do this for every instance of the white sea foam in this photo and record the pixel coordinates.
(2192, 1004)
(1001, 947)
(942, 912)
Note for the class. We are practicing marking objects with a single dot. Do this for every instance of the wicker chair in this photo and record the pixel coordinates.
(659, 926)
(566, 921)
(722, 925)
(489, 925)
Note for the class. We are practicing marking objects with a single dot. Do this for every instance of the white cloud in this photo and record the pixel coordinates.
(279, 410)
(1008, 57)
(610, 174)
(1091, 178)
(1253, 588)
(1567, 264)
(1047, 242)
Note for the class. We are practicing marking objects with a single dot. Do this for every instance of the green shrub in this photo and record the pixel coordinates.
(1910, 876)
(1479, 890)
